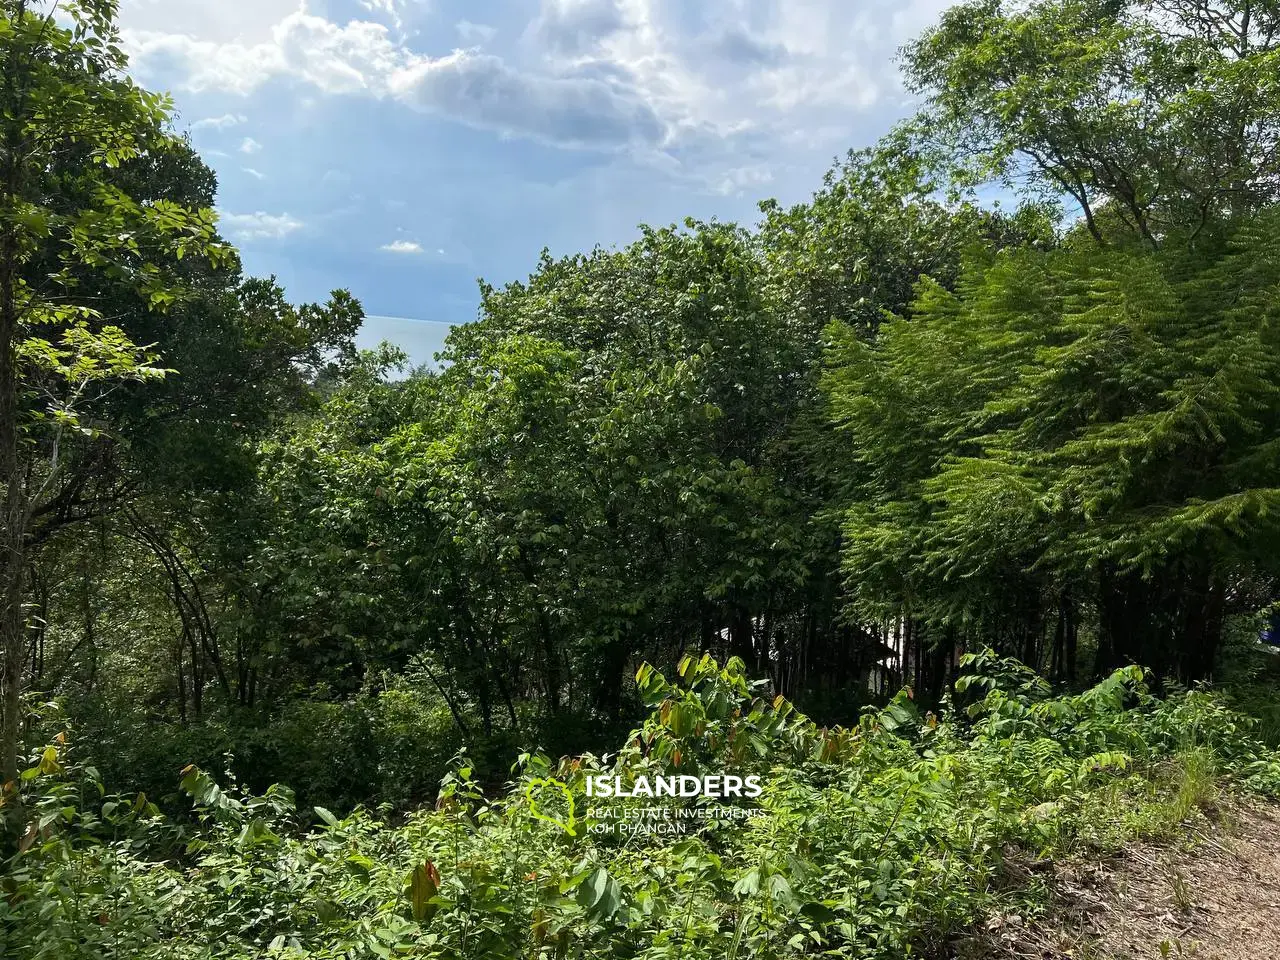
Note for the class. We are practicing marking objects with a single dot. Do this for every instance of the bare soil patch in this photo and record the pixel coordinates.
(1215, 898)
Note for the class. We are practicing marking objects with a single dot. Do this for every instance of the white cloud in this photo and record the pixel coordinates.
(336, 59)
(475, 34)
(361, 58)
(611, 74)
(250, 145)
(403, 247)
(570, 111)
(203, 64)
(739, 180)
(351, 59)
(742, 65)
(572, 26)
(224, 122)
(259, 225)
(220, 21)
(388, 8)
(254, 173)
(380, 6)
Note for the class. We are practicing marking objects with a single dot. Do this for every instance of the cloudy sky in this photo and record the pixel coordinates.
(403, 148)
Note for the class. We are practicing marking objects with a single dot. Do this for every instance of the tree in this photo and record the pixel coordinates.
(1163, 115)
(857, 249)
(69, 118)
(1085, 427)
(1156, 124)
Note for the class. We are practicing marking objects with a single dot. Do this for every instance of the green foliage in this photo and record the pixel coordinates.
(69, 118)
(1157, 120)
(884, 845)
(891, 425)
(1086, 420)
(389, 747)
(856, 251)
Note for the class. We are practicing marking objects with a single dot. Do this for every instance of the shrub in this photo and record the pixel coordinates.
(878, 841)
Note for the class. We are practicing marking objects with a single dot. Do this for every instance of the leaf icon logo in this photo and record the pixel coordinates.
(535, 787)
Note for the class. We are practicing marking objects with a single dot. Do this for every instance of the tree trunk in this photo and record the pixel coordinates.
(1201, 627)
(13, 559)
(13, 536)
(612, 659)
(741, 639)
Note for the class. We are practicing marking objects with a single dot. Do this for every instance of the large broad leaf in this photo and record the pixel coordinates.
(600, 894)
(748, 884)
(901, 714)
(424, 884)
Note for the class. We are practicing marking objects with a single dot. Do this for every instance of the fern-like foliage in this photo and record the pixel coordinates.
(1097, 423)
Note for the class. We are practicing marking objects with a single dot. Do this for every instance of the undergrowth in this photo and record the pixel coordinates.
(883, 840)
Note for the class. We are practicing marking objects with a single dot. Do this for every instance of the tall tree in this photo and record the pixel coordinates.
(68, 117)
(1163, 115)
(1090, 425)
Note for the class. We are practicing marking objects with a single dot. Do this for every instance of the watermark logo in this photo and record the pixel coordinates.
(539, 788)
(675, 804)
(713, 787)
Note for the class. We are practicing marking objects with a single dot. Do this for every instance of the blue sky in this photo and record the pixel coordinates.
(405, 148)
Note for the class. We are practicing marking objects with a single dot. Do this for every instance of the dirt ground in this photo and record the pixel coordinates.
(1218, 899)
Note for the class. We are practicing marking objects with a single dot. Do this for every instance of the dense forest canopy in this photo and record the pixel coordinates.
(846, 445)
(989, 490)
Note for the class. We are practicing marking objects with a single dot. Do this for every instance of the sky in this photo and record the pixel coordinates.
(403, 149)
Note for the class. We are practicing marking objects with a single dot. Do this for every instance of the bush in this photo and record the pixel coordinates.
(390, 747)
(879, 841)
